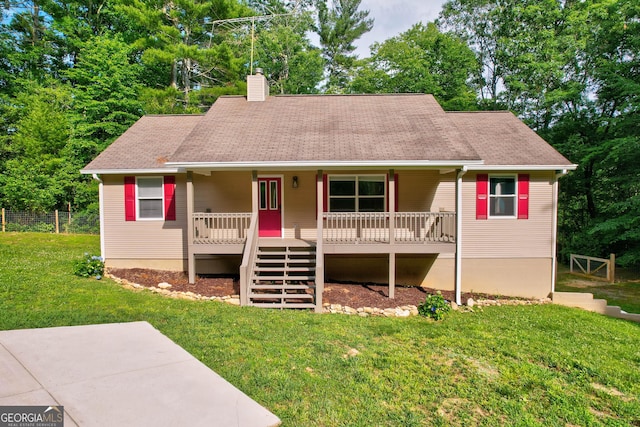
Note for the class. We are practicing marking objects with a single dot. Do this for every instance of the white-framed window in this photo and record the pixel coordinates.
(502, 196)
(360, 193)
(150, 197)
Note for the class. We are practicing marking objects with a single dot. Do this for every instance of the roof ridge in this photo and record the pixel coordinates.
(175, 115)
(336, 95)
(480, 111)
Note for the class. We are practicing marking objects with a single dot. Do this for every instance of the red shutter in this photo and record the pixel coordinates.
(130, 198)
(482, 196)
(523, 196)
(169, 198)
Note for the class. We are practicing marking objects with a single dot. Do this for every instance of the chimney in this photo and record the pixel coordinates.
(257, 87)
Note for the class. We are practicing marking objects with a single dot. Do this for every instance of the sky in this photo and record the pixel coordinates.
(393, 17)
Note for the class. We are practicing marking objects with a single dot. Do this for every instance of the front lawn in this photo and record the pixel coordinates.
(520, 365)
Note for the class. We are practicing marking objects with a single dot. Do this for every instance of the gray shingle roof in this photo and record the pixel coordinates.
(500, 138)
(148, 144)
(327, 128)
(324, 128)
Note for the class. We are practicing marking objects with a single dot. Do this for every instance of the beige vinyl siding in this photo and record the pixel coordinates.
(299, 205)
(142, 239)
(426, 191)
(222, 192)
(509, 237)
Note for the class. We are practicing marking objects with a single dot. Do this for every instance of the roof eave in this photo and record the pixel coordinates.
(311, 165)
(138, 171)
(484, 167)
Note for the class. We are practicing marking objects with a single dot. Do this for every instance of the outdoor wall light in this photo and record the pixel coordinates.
(294, 183)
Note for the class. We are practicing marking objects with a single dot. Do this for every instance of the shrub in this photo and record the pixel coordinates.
(434, 306)
(89, 266)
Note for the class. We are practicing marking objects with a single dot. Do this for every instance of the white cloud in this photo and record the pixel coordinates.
(393, 17)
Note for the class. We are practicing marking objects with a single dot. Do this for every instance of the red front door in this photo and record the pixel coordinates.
(269, 207)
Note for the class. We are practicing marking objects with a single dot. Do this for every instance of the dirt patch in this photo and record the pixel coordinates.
(346, 294)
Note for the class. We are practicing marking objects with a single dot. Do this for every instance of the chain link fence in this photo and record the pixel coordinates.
(51, 222)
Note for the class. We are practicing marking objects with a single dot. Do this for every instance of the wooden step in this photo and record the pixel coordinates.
(306, 252)
(285, 269)
(267, 287)
(271, 261)
(304, 278)
(280, 296)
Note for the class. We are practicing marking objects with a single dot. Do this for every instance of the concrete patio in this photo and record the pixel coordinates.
(119, 375)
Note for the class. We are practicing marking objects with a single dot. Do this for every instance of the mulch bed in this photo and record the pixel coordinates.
(346, 294)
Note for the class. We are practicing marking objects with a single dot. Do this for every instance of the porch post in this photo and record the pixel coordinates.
(392, 232)
(254, 191)
(191, 261)
(319, 242)
(458, 271)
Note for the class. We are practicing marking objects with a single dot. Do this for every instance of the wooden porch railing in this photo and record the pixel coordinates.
(217, 228)
(373, 227)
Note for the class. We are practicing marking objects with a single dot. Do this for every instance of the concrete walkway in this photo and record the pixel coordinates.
(126, 374)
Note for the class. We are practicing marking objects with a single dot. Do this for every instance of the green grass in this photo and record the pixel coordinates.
(522, 365)
(626, 295)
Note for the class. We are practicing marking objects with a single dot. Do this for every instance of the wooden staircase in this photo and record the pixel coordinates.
(283, 275)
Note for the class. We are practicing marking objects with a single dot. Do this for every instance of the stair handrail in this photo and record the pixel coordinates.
(248, 259)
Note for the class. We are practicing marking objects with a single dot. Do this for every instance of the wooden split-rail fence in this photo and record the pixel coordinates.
(591, 266)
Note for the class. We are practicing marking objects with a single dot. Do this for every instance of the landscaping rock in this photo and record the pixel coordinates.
(470, 302)
(164, 285)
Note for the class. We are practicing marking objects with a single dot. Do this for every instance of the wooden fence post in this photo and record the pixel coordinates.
(57, 223)
(3, 227)
(612, 268)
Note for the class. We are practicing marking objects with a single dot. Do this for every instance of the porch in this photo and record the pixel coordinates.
(252, 218)
(289, 273)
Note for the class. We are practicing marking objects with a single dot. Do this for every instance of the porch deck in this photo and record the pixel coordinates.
(366, 232)
(283, 272)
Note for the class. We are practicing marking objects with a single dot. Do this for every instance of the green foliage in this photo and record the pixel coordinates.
(86, 222)
(290, 62)
(33, 173)
(339, 27)
(40, 227)
(434, 306)
(421, 60)
(105, 90)
(176, 39)
(89, 266)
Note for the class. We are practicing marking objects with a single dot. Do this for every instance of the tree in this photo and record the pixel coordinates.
(31, 179)
(339, 27)
(421, 60)
(179, 43)
(601, 199)
(530, 51)
(106, 87)
(34, 54)
(282, 48)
